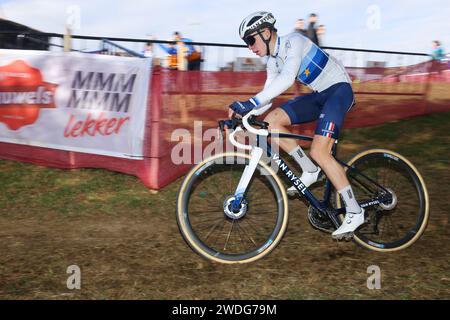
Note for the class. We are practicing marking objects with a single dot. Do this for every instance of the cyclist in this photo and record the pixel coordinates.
(294, 57)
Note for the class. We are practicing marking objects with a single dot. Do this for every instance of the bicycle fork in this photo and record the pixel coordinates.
(247, 175)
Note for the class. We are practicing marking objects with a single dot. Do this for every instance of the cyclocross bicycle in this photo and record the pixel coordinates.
(233, 207)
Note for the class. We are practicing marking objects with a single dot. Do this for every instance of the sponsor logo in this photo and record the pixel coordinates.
(328, 131)
(387, 155)
(378, 245)
(23, 93)
(261, 21)
(106, 100)
(371, 203)
(294, 179)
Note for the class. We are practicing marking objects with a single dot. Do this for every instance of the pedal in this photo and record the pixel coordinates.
(318, 222)
(292, 191)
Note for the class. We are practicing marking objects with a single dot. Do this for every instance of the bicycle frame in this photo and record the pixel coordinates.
(321, 205)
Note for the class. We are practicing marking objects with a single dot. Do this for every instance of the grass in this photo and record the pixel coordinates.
(419, 135)
(126, 242)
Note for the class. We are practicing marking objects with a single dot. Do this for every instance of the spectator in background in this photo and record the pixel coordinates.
(438, 54)
(312, 32)
(320, 33)
(193, 55)
(172, 59)
(300, 27)
(148, 50)
(177, 53)
(438, 51)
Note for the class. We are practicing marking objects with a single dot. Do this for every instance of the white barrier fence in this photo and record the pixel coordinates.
(74, 101)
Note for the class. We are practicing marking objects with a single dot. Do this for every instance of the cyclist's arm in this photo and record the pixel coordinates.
(272, 73)
(286, 78)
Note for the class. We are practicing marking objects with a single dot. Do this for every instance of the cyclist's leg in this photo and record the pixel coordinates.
(299, 110)
(278, 120)
(339, 99)
(321, 153)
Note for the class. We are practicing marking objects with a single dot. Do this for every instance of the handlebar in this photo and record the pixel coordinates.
(241, 124)
(248, 121)
(236, 143)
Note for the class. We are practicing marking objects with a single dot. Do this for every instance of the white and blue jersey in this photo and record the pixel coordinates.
(296, 57)
(313, 64)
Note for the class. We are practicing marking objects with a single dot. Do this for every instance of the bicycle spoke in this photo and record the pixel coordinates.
(260, 229)
(218, 234)
(251, 225)
(394, 227)
(385, 172)
(214, 194)
(250, 238)
(211, 202)
(212, 229)
(240, 237)
(262, 202)
(206, 226)
(205, 223)
(260, 219)
(198, 213)
(228, 236)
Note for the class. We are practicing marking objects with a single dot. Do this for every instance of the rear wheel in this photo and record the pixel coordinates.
(399, 222)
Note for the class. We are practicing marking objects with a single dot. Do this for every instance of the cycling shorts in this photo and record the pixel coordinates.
(328, 107)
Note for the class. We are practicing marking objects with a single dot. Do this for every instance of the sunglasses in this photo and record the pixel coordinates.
(251, 39)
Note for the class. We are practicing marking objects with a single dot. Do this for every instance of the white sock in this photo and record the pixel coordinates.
(302, 159)
(347, 195)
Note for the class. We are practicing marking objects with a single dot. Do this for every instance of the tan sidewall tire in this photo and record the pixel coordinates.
(192, 243)
(425, 191)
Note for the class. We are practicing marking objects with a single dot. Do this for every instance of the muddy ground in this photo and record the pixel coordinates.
(126, 242)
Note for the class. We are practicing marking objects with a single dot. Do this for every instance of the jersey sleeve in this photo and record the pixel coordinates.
(283, 80)
(271, 75)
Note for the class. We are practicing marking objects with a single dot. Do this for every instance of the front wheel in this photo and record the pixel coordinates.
(399, 222)
(216, 231)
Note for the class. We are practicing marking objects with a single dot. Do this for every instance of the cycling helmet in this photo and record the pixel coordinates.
(255, 22)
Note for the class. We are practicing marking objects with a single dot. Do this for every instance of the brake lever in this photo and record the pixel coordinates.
(262, 124)
(253, 121)
(236, 122)
(230, 124)
(233, 123)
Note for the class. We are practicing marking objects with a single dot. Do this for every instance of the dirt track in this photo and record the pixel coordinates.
(126, 242)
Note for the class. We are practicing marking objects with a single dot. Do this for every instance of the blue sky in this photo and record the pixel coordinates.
(403, 25)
